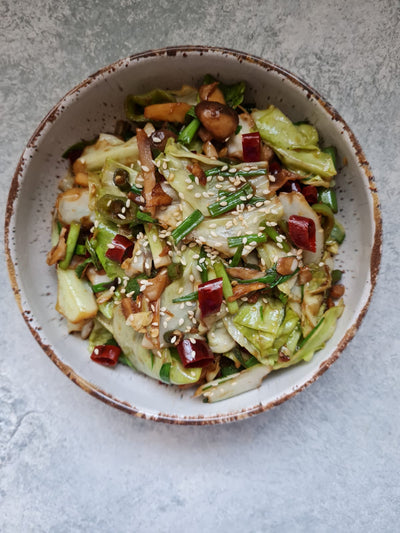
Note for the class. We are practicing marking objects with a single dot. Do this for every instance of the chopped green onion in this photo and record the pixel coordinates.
(233, 307)
(165, 372)
(191, 297)
(273, 234)
(256, 200)
(185, 227)
(136, 190)
(246, 239)
(145, 217)
(338, 234)
(216, 171)
(80, 249)
(231, 201)
(251, 362)
(72, 239)
(124, 360)
(328, 197)
(203, 265)
(228, 370)
(237, 257)
(100, 287)
(271, 278)
(336, 275)
(187, 134)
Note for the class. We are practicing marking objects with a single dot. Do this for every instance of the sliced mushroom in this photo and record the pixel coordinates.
(155, 287)
(243, 273)
(242, 290)
(211, 93)
(160, 137)
(219, 119)
(57, 253)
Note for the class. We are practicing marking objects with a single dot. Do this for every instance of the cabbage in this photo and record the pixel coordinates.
(317, 338)
(296, 146)
(219, 339)
(314, 162)
(259, 324)
(144, 360)
(180, 287)
(279, 132)
(104, 235)
(223, 388)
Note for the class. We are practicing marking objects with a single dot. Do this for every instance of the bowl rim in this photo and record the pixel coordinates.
(97, 392)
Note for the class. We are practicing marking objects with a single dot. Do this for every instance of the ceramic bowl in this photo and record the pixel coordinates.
(93, 107)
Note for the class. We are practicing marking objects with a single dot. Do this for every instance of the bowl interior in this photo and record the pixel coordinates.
(94, 107)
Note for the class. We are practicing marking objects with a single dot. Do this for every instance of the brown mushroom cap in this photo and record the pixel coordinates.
(219, 119)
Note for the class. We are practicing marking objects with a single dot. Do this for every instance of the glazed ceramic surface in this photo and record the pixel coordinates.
(93, 107)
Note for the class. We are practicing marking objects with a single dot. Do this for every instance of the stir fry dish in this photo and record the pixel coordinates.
(195, 243)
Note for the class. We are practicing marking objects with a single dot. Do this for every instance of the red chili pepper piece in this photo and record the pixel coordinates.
(302, 232)
(121, 249)
(274, 168)
(251, 144)
(196, 354)
(106, 354)
(310, 193)
(210, 297)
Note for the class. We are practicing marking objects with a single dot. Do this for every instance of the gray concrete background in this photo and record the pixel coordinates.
(327, 460)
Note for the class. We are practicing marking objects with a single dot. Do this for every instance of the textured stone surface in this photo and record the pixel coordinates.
(329, 459)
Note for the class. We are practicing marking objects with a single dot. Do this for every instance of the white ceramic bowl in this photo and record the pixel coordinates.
(93, 107)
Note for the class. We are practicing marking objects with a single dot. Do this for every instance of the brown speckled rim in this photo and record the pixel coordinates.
(90, 387)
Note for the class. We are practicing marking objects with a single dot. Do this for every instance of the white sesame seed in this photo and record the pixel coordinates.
(156, 139)
(146, 169)
(181, 321)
